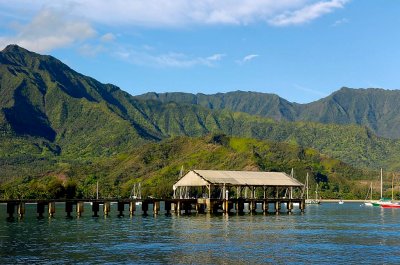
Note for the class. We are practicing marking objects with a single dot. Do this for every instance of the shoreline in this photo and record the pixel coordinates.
(337, 200)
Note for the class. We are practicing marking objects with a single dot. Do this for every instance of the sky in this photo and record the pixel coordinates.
(301, 50)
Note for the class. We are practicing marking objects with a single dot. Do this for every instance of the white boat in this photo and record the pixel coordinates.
(383, 201)
(341, 202)
(370, 202)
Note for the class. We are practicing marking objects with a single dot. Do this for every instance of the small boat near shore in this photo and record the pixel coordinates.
(391, 205)
(369, 193)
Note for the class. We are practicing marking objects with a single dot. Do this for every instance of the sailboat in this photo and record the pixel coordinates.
(369, 203)
(382, 201)
(391, 204)
(311, 201)
(136, 193)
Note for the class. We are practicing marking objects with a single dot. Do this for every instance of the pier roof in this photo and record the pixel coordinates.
(237, 178)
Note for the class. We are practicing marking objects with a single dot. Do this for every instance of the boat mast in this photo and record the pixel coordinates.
(307, 185)
(392, 185)
(371, 191)
(97, 190)
(381, 184)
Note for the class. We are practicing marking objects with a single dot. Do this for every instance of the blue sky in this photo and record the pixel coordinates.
(302, 50)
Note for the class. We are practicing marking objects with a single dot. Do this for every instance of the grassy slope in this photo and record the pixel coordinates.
(157, 166)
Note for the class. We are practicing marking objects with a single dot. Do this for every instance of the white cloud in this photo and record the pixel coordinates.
(91, 50)
(178, 13)
(171, 59)
(48, 30)
(249, 57)
(307, 13)
(215, 57)
(107, 37)
(340, 22)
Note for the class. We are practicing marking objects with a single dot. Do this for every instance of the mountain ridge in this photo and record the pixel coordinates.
(371, 107)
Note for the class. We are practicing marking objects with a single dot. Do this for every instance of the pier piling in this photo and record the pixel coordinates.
(68, 209)
(277, 207)
(240, 206)
(106, 208)
(40, 209)
(302, 205)
(167, 207)
(289, 206)
(121, 206)
(156, 207)
(265, 207)
(21, 209)
(95, 209)
(145, 207)
(10, 209)
(52, 209)
(79, 209)
(253, 206)
(132, 208)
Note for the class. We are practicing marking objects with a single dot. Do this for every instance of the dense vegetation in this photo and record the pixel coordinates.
(376, 109)
(60, 132)
(157, 165)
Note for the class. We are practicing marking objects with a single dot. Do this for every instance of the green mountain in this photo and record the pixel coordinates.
(43, 98)
(57, 122)
(373, 108)
(254, 103)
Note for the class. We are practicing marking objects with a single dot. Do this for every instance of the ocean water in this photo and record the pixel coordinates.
(325, 234)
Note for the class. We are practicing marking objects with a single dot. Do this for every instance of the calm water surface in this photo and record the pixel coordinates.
(326, 234)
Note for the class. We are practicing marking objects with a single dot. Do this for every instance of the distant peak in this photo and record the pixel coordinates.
(14, 48)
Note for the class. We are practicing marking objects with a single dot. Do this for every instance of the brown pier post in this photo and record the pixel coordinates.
(132, 208)
(21, 209)
(68, 209)
(40, 209)
(302, 205)
(167, 207)
(187, 206)
(209, 206)
(253, 206)
(145, 207)
(240, 206)
(265, 206)
(178, 207)
(106, 208)
(277, 207)
(10, 209)
(289, 206)
(200, 207)
(121, 206)
(156, 207)
(95, 209)
(52, 209)
(79, 209)
(226, 206)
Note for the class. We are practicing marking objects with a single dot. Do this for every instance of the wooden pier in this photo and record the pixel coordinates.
(77, 207)
(220, 191)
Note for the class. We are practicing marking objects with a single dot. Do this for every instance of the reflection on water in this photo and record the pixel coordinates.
(325, 234)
